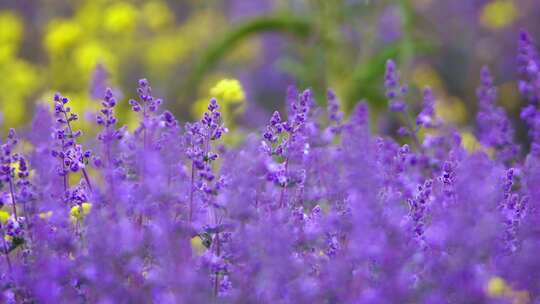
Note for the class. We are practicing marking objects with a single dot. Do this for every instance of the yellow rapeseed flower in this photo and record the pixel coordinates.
(166, 50)
(90, 15)
(197, 245)
(469, 142)
(120, 17)
(61, 35)
(88, 54)
(16, 168)
(11, 32)
(23, 79)
(498, 14)
(157, 14)
(228, 91)
(11, 27)
(451, 109)
(4, 216)
(45, 215)
(496, 287)
(78, 213)
(425, 75)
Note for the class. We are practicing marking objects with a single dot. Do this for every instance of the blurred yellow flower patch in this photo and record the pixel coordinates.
(229, 91)
(497, 287)
(88, 54)
(11, 33)
(45, 215)
(4, 216)
(470, 142)
(197, 246)
(230, 96)
(120, 17)
(11, 27)
(499, 14)
(424, 75)
(90, 15)
(157, 14)
(78, 213)
(61, 35)
(451, 109)
(167, 49)
(22, 81)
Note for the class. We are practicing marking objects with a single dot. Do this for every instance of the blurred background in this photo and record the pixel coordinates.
(246, 52)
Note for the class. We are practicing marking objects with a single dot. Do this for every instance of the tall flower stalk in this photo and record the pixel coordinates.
(70, 154)
(109, 135)
(283, 138)
(7, 159)
(147, 105)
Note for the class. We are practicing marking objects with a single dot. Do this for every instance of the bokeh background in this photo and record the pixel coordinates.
(186, 47)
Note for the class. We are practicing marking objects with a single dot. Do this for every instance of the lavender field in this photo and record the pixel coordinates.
(364, 159)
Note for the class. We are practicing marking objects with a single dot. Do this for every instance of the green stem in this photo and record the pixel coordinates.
(407, 42)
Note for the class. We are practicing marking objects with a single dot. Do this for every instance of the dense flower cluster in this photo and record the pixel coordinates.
(316, 209)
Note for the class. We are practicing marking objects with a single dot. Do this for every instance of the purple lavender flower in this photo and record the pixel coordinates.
(513, 207)
(285, 140)
(426, 118)
(107, 120)
(273, 131)
(395, 92)
(529, 86)
(418, 209)
(70, 154)
(494, 127)
(7, 172)
(529, 68)
(168, 119)
(147, 105)
(334, 114)
(200, 136)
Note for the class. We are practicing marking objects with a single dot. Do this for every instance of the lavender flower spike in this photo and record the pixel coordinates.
(395, 92)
